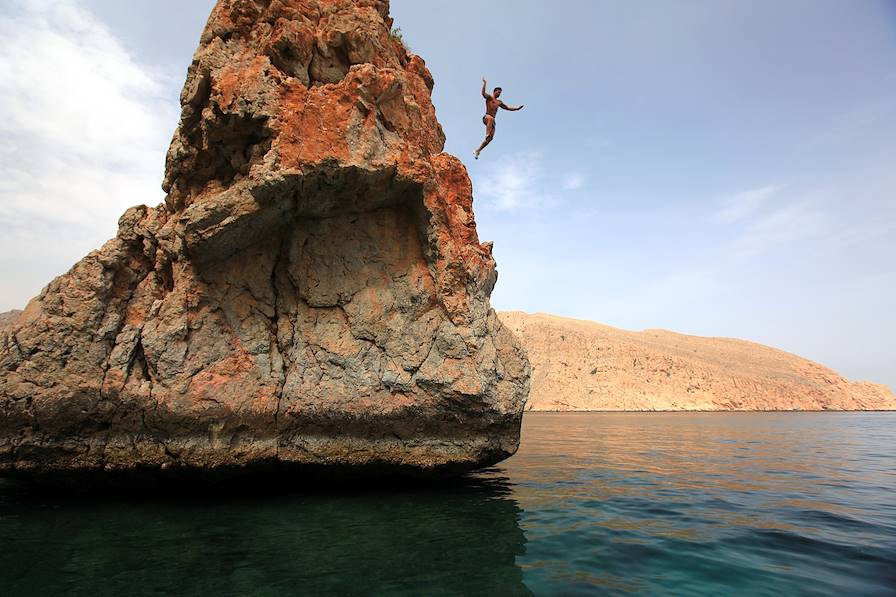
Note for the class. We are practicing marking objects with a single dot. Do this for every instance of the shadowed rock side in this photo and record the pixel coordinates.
(312, 293)
(581, 365)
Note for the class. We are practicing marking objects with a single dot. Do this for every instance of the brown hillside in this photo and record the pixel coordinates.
(582, 365)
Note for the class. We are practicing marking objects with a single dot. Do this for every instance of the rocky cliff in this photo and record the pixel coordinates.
(312, 294)
(7, 318)
(581, 365)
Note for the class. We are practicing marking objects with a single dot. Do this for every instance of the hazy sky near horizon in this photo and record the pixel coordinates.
(718, 168)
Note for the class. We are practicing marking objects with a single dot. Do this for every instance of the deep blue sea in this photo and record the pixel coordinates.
(593, 503)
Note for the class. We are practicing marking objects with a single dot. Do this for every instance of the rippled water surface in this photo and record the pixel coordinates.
(715, 504)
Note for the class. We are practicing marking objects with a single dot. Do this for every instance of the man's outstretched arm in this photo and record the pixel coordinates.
(484, 94)
(510, 108)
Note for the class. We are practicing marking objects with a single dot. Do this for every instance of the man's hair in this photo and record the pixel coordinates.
(497, 89)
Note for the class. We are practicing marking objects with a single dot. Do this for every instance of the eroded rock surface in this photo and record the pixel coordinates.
(7, 317)
(312, 293)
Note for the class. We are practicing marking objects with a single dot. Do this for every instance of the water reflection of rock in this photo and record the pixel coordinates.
(459, 538)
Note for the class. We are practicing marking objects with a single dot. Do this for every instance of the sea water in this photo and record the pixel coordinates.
(593, 503)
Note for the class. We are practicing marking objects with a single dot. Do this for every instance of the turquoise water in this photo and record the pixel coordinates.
(714, 504)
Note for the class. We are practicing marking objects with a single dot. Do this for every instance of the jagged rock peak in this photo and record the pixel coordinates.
(312, 295)
(267, 71)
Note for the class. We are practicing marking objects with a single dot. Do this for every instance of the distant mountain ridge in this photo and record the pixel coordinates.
(582, 365)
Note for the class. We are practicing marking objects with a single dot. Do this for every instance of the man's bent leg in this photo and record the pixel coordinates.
(488, 139)
(489, 135)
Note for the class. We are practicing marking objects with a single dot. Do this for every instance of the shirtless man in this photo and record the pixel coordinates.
(492, 103)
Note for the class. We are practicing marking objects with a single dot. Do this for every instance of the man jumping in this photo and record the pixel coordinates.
(492, 103)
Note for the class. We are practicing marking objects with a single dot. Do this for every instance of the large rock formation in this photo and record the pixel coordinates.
(582, 365)
(311, 294)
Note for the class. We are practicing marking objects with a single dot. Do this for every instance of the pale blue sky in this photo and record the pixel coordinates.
(711, 167)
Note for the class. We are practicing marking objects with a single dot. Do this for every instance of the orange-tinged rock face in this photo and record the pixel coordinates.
(321, 80)
(313, 292)
(306, 110)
